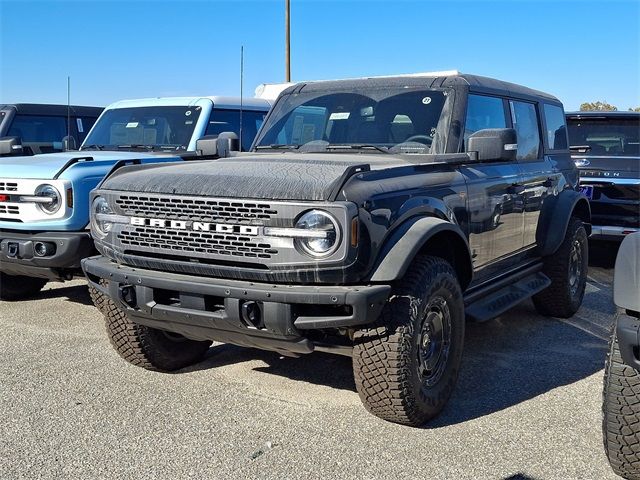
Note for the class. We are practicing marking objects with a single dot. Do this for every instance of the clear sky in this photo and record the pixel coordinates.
(577, 50)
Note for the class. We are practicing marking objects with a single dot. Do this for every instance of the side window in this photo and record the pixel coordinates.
(38, 128)
(229, 121)
(483, 112)
(525, 122)
(556, 127)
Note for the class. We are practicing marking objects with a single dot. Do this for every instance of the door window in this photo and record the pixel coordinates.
(556, 127)
(483, 112)
(229, 121)
(525, 122)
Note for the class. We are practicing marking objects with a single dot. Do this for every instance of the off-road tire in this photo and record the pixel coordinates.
(621, 414)
(148, 347)
(386, 355)
(19, 287)
(101, 301)
(558, 300)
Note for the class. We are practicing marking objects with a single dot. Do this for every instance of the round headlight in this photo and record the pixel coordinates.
(327, 233)
(49, 192)
(100, 211)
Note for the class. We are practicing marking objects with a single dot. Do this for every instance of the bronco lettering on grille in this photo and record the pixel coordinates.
(196, 226)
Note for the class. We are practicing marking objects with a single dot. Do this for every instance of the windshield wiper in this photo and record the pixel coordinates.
(275, 146)
(358, 146)
(138, 145)
(92, 147)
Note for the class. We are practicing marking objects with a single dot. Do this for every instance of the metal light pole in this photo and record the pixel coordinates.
(287, 48)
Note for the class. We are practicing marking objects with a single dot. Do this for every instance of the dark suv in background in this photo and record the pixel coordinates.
(606, 149)
(40, 128)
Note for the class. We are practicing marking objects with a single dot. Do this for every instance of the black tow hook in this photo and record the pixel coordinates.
(128, 296)
(12, 249)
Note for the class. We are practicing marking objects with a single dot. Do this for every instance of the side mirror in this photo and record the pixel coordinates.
(69, 143)
(494, 144)
(10, 146)
(218, 145)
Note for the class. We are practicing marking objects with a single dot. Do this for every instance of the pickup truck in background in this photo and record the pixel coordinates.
(41, 128)
(606, 149)
(44, 199)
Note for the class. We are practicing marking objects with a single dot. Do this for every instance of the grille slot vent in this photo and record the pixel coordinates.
(254, 213)
(203, 243)
(9, 209)
(8, 187)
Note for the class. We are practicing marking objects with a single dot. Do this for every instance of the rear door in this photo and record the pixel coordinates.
(538, 181)
(494, 200)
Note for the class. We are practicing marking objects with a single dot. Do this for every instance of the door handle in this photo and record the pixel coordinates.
(516, 188)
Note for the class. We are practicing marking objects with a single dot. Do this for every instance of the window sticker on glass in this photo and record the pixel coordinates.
(426, 100)
(132, 125)
(188, 122)
(79, 124)
(339, 116)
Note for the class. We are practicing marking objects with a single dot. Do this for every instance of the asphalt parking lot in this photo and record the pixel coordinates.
(527, 405)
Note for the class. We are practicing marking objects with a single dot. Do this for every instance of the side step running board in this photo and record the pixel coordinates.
(498, 302)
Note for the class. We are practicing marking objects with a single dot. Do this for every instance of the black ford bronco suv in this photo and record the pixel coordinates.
(370, 219)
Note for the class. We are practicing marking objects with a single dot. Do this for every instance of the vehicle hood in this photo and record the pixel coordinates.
(265, 176)
(608, 166)
(47, 166)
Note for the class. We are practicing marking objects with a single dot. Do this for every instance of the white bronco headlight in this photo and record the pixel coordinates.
(47, 198)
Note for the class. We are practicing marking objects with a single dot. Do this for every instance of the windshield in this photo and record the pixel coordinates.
(606, 136)
(152, 128)
(401, 120)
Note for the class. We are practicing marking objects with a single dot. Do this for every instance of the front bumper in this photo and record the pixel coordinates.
(18, 257)
(628, 333)
(205, 308)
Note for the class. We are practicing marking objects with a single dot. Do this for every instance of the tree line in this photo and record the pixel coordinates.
(602, 107)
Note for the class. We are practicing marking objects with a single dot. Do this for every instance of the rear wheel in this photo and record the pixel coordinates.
(567, 270)
(621, 414)
(148, 347)
(18, 287)
(406, 366)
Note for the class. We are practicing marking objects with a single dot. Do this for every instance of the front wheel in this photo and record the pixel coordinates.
(148, 347)
(18, 287)
(621, 414)
(567, 270)
(406, 366)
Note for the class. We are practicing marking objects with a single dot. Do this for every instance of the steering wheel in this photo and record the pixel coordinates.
(426, 139)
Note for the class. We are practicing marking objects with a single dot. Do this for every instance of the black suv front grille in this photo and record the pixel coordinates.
(254, 213)
(204, 243)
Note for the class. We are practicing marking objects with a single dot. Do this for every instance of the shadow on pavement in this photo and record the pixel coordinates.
(518, 357)
(75, 293)
(507, 361)
(603, 253)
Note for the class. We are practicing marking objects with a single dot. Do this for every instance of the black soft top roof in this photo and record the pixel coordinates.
(436, 80)
(48, 109)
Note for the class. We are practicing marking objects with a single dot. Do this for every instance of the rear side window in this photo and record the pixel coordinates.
(38, 128)
(556, 127)
(483, 112)
(525, 122)
(229, 121)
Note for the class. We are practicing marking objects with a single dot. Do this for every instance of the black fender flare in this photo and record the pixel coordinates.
(408, 240)
(554, 219)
